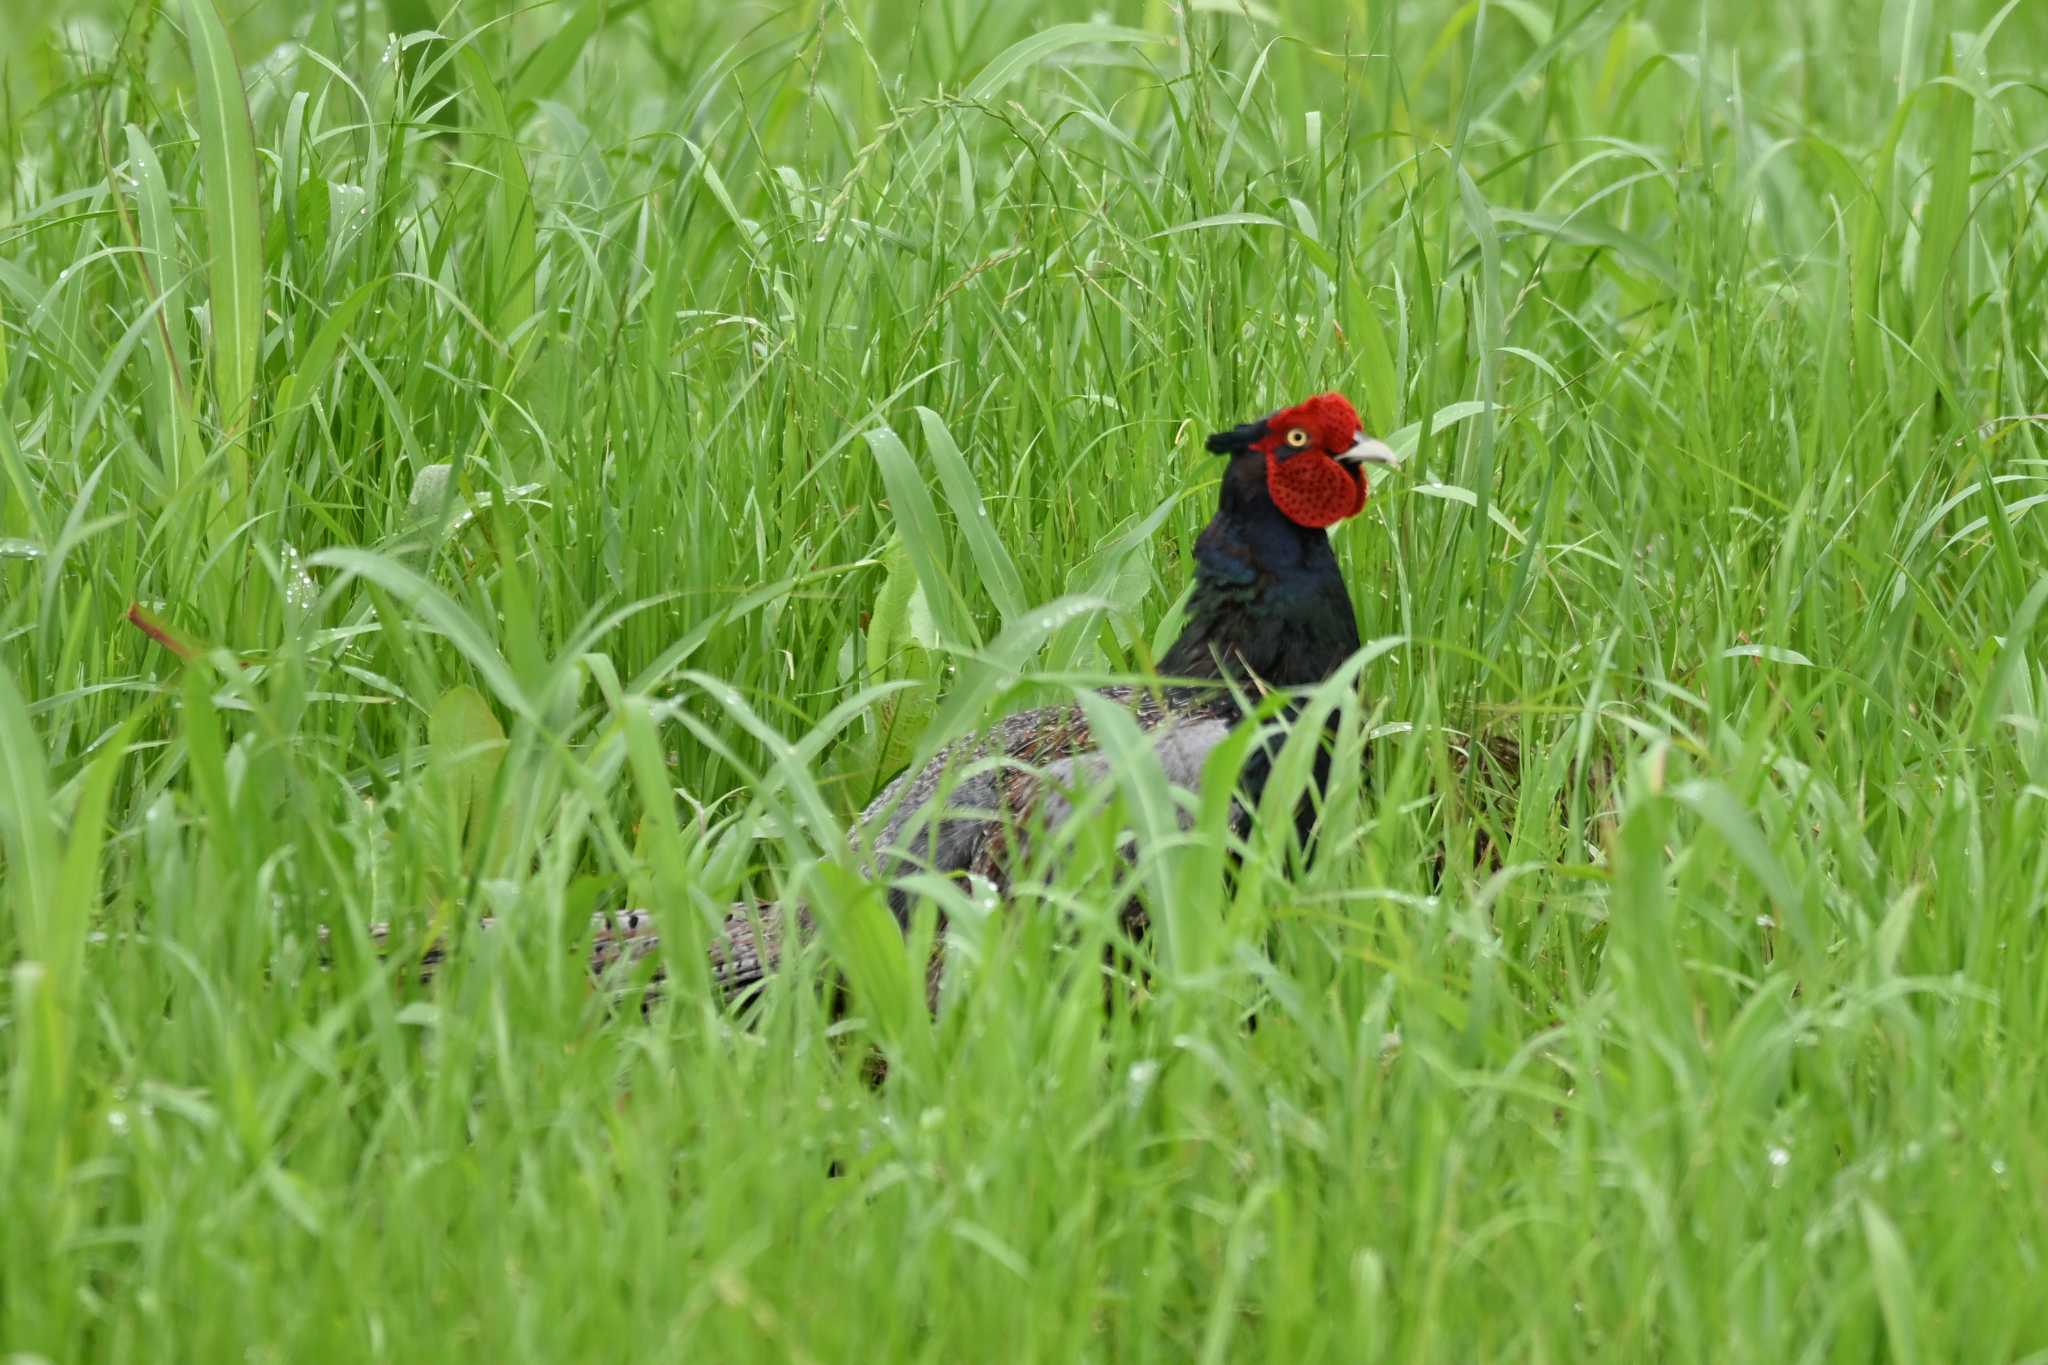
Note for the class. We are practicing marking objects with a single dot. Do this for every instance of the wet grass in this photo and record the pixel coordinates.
(568, 458)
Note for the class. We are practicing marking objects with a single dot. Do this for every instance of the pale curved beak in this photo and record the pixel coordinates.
(1365, 450)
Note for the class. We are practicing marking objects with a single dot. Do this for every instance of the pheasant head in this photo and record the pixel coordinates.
(1315, 454)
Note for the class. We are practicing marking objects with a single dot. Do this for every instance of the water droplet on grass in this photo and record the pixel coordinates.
(298, 584)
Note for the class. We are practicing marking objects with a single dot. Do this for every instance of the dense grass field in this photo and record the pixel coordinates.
(567, 458)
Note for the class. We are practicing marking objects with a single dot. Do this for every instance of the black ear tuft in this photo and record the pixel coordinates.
(1238, 439)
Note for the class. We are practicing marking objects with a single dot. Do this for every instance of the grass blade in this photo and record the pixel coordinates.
(998, 573)
(227, 153)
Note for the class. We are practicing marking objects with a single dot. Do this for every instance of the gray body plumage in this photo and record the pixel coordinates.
(972, 809)
(1022, 772)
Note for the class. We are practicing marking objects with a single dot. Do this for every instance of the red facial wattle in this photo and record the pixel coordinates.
(1311, 489)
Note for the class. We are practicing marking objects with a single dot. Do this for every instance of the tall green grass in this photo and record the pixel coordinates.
(580, 451)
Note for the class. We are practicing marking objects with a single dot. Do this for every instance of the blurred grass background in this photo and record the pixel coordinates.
(544, 428)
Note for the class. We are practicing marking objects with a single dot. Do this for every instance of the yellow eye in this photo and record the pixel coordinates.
(1297, 437)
